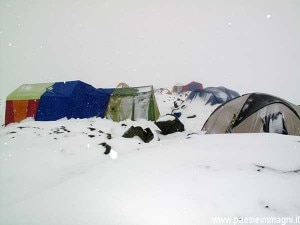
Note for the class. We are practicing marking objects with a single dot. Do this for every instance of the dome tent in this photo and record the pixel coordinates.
(213, 95)
(255, 113)
(122, 85)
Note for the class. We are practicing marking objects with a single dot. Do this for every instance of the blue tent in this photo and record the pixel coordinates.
(213, 95)
(72, 99)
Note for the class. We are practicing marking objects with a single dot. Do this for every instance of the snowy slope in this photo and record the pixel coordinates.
(57, 173)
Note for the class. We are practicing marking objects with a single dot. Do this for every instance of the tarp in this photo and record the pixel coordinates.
(73, 99)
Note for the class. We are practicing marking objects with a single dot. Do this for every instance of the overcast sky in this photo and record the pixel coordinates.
(247, 46)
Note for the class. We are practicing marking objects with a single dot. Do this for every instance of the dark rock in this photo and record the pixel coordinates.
(108, 136)
(107, 148)
(178, 103)
(190, 117)
(145, 134)
(170, 126)
(20, 127)
(191, 134)
(58, 132)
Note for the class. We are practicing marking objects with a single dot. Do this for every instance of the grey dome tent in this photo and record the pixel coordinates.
(213, 95)
(255, 113)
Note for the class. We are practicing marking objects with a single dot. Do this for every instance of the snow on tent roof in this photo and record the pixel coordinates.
(29, 91)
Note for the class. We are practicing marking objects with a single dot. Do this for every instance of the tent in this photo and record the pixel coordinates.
(72, 99)
(23, 102)
(255, 113)
(192, 86)
(132, 103)
(122, 85)
(177, 88)
(213, 95)
(76, 99)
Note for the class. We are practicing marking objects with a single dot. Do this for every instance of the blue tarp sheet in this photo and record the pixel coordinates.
(72, 99)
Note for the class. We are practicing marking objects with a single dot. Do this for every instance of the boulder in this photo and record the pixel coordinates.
(145, 134)
(169, 124)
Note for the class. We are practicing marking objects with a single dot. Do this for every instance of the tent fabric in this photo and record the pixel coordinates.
(255, 113)
(132, 103)
(213, 95)
(23, 102)
(9, 112)
(29, 91)
(72, 99)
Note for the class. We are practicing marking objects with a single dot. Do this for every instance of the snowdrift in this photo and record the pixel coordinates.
(57, 172)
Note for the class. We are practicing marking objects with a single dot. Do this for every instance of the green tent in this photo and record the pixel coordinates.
(132, 103)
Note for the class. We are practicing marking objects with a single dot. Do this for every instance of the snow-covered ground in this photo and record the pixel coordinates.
(56, 173)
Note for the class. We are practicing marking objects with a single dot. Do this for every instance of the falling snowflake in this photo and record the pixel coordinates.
(113, 154)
